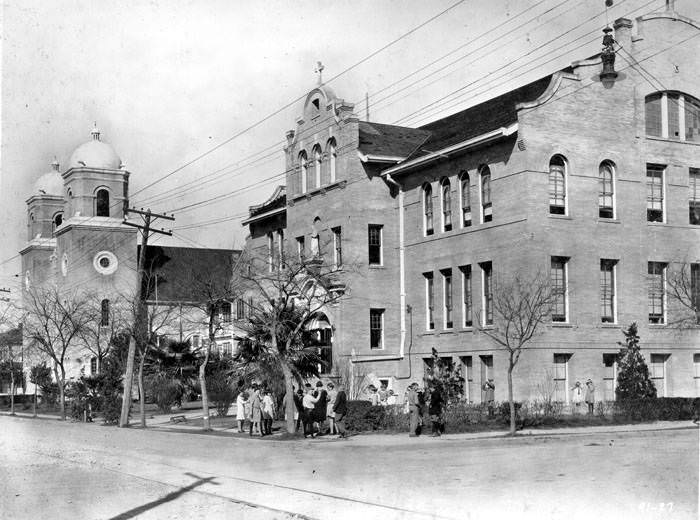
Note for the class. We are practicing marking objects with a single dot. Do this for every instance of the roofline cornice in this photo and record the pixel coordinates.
(385, 159)
(479, 140)
(552, 88)
(262, 216)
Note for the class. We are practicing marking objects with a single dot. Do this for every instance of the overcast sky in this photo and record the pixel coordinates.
(167, 81)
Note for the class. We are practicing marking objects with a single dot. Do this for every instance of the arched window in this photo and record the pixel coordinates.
(557, 185)
(465, 200)
(428, 209)
(102, 203)
(57, 220)
(104, 313)
(318, 157)
(446, 205)
(316, 238)
(672, 115)
(606, 193)
(332, 157)
(486, 209)
(303, 167)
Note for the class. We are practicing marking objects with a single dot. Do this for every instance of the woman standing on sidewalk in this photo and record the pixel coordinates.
(241, 401)
(256, 413)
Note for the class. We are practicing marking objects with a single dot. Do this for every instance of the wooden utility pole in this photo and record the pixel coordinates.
(146, 230)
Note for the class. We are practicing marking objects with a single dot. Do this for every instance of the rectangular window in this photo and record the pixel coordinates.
(561, 375)
(374, 233)
(337, 247)
(694, 197)
(104, 314)
(696, 365)
(429, 301)
(93, 365)
(695, 288)
(301, 248)
(270, 251)
(487, 292)
(227, 349)
(447, 297)
(250, 307)
(280, 248)
(466, 271)
(486, 374)
(196, 342)
(653, 115)
(376, 329)
(692, 119)
(673, 126)
(558, 278)
(655, 193)
(468, 374)
(240, 309)
(656, 284)
(609, 376)
(225, 312)
(608, 308)
(657, 369)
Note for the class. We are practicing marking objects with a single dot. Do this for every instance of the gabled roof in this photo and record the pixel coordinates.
(182, 274)
(499, 112)
(381, 140)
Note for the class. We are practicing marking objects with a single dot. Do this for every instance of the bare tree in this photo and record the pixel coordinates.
(11, 360)
(52, 325)
(286, 292)
(683, 290)
(521, 305)
(109, 318)
(352, 376)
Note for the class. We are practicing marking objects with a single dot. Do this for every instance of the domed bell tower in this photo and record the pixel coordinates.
(96, 252)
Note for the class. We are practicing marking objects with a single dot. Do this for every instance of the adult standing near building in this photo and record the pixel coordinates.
(307, 417)
(489, 389)
(435, 408)
(268, 413)
(590, 396)
(577, 396)
(373, 395)
(413, 409)
(340, 410)
(320, 407)
(241, 401)
(299, 409)
(255, 413)
(332, 394)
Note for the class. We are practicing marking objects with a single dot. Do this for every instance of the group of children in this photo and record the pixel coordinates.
(320, 411)
(257, 407)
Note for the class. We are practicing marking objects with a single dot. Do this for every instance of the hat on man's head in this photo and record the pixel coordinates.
(319, 384)
(589, 381)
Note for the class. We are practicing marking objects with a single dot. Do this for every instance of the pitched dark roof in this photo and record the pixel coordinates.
(389, 140)
(182, 273)
(480, 119)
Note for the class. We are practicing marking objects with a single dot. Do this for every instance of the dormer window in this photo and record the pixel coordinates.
(316, 103)
(57, 220)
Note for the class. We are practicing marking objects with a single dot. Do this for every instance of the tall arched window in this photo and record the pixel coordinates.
(104, 313)
(316, 238)
(446, 200)
(102, 203)
(557, 185)
(318, 157)
(332, 157)
(304, 171)
(486, 209)
(57, 220)
(672, 115)
(428, 209)
(466, 202)
(606, 193)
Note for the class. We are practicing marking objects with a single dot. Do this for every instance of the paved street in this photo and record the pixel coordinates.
(55, 470)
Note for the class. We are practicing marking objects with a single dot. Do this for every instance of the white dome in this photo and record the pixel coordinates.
(95, 154)
(51, 183)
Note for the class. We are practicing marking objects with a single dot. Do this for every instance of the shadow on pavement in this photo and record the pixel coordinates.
(131, 513)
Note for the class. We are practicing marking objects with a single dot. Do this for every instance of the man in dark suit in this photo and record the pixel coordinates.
(340, 409)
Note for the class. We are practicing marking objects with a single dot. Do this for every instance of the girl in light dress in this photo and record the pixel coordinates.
(241, 402)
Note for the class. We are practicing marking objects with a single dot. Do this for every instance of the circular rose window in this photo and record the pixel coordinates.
(105, 262)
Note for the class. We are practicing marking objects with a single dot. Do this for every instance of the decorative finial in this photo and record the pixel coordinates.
(319, 70)
(95, 132)
(55, 163)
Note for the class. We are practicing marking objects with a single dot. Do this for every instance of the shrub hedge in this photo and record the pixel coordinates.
(465, 417)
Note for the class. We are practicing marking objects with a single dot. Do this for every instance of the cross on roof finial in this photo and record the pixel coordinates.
(319, 70)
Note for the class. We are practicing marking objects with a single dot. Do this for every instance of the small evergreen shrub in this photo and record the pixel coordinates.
(633, 381)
